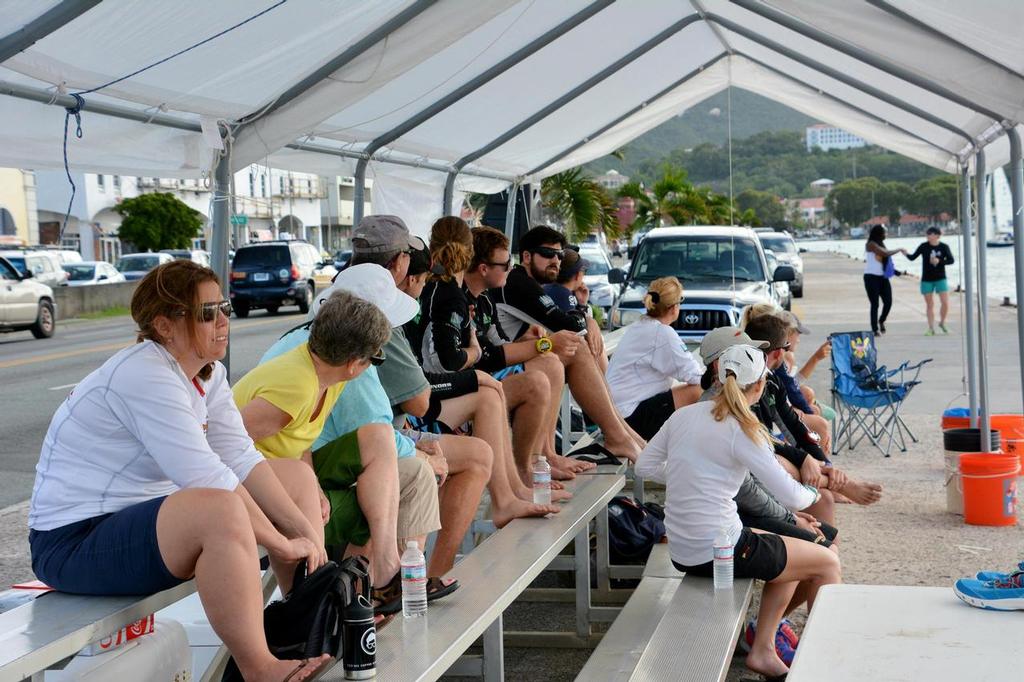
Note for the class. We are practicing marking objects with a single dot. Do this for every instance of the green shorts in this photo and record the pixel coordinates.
(939, 286)
(337, 466)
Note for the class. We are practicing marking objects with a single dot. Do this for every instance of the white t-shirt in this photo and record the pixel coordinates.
(647, 359)
(135, 429)
(703, 463)
(872, 266)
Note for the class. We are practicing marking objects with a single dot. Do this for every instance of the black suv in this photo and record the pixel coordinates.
(272, 274)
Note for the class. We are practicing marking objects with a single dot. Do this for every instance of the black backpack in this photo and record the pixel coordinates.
(633, 530)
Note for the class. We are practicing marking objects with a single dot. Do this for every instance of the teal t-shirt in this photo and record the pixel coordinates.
(362, 402)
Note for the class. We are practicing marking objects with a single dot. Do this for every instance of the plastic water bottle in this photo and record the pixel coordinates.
(723, 551)
(541, 480)
(414, 581)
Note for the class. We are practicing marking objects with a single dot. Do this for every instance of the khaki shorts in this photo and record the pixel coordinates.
(418, 512)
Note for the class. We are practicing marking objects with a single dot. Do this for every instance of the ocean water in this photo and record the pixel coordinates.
(1000, 261)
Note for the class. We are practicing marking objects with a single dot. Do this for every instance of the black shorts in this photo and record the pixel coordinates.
(757, 555)
(446, 385)
(651, 414)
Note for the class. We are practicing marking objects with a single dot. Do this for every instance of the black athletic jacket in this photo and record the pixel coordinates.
(442, 329)
(777, 414)
(526, 294)
(489, 333)
(933, 273)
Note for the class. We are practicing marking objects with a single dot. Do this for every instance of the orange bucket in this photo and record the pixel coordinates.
(957, 423)
(1011, 431)
(990, 488)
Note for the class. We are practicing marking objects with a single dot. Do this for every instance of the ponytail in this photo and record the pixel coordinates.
(455, 257)
(732, 402)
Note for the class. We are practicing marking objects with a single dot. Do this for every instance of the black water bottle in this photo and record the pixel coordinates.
(360, 636)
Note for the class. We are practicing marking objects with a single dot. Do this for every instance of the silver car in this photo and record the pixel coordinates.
(788, 254)
(44, 265)
(25, 303)
(602, 293)
(92, 272)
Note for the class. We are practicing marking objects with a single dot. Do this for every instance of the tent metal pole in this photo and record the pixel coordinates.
(619, 119)
(342, 60)
(510, 213)
(583, 87)
(968, 276)
(1017, 192)
(469, 87)
(441, 168)
(838, 75)
(221, 227)
(449, 191)
(981, 195)
(863, 56)
(358, 192)
(43, 25)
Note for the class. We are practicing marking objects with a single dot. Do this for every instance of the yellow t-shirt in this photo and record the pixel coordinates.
(289, 383)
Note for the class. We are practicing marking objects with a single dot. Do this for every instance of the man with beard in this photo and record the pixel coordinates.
(522, 304)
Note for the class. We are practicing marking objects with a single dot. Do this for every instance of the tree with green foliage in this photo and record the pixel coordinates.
(581, 204)
(158, 221)
(673, 200)
(936, 195)
(854, 201)
(765, 208)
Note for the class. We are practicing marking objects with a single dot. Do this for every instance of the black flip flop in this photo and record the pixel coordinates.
(595, 453)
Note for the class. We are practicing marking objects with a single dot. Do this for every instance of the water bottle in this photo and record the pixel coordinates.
(541, 480)
(723, 550)
(359, 656)
(414, 581)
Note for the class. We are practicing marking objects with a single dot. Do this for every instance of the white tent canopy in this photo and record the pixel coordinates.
(395, 58)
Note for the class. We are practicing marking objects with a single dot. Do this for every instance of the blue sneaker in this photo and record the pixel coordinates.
(987, 576)
(994, 595)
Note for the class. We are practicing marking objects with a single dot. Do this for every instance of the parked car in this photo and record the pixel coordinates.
(602, 293)
(722, 270)
(25, 303)
(782, 289)
(788, 254)
(92, 272)
(136, 265)
(634, 242)
(272, 274)
(45, 266)
(342, 258)
(68, 256)
(194, 255)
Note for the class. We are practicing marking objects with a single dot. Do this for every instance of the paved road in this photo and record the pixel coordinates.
(35, 376)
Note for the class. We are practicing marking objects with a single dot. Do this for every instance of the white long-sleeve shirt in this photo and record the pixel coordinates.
(647, 359)
(702, 463)
(135, 429)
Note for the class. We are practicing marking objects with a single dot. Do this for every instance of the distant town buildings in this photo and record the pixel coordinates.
(826, 137)
(823, 185)
(812, 211)
(612, 180)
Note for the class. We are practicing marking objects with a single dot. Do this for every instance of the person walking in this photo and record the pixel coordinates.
(936, 256)
(878, 268)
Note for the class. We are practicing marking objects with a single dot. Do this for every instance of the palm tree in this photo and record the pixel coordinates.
(579, 203)
(673, 200)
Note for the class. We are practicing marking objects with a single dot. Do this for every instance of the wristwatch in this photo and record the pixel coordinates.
(544, 344)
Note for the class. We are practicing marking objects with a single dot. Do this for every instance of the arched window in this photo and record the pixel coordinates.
(7, 226)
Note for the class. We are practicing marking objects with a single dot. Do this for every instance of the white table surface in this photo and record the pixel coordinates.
(883, 633)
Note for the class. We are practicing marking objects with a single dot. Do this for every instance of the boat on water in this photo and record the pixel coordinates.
(1000, 240)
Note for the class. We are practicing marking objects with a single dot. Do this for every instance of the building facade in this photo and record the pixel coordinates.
(826, 137)
(612, 180)
(18, 221)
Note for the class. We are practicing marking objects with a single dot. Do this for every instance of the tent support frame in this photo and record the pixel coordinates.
(43, 25)
(981, 196)
(968, 276)
(461, 92)
(1017, 193)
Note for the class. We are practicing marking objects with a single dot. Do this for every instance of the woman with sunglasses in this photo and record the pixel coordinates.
(147, 478)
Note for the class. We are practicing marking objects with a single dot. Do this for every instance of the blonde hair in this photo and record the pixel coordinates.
(663, 293)
(732, 401)
(451, 245)
(756, 310)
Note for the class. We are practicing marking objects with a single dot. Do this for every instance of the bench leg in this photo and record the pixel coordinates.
(566, 422)
(604, 584)
(494, 651)
(638, 490)
(582, 559)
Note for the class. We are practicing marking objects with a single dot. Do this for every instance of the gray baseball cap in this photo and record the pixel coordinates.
(381, 234)
(716, 341)
(794, 322)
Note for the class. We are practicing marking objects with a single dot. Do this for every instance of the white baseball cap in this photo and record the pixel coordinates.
(372, 283)
(746, 362)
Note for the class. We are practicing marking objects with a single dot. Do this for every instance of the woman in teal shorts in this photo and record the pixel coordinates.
(937, 256)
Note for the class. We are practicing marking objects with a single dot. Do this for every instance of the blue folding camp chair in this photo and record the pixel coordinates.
(867, 398)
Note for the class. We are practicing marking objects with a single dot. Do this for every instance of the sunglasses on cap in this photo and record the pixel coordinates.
(378, 359)
(207, 312)
(548, 252)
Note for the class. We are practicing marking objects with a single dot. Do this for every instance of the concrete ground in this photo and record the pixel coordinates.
(906, 539)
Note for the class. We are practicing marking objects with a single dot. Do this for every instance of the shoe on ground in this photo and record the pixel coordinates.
(786, 640)
(993, 595)
(930, 332)
(943, 327)
(988, 576)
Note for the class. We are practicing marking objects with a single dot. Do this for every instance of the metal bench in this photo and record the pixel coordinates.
(673, 628)
(492, 577)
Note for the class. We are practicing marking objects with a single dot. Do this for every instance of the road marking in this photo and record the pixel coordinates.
(57, 388)
(7, 364)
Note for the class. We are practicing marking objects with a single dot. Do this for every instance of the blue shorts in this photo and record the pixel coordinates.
(112, 554)
(509, 371)
(939, 286)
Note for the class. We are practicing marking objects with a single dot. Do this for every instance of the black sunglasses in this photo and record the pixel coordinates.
(378, 359)
(785, 347)
(548, 252)
(506, 265)
(207, 312)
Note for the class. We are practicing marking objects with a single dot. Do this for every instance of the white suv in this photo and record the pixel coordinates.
(25, 303)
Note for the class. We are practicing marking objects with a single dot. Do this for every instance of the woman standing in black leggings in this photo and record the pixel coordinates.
(876, 282)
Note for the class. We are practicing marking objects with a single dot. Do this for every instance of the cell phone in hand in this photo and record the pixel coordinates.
(582, 332)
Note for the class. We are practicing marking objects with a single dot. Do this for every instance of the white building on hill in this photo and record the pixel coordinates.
(827, 137)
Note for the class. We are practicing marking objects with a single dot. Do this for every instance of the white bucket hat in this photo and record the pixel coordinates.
(746, 362)
(375, 284)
